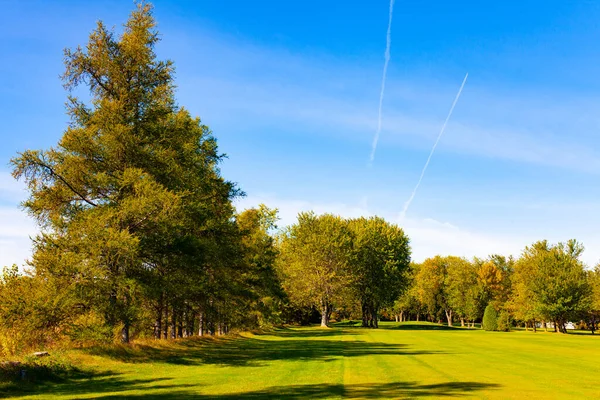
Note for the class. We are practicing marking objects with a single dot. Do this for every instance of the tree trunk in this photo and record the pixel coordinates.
(402, 316)
(562, 328)
(125, 333)
(324, 314)
(201, 324)
(462, 322)
(449, 317)
(173, 323)
(418, 317)
(166, 324)
(365, 317)
(185, 322)
(534, 327)
(158, 320)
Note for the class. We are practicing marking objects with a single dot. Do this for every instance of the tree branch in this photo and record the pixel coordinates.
(63, 180)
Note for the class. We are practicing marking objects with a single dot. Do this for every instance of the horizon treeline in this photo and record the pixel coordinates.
(139, 237)
(547, 284)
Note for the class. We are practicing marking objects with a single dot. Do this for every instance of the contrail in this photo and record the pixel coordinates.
(410, 199)
(388, 44)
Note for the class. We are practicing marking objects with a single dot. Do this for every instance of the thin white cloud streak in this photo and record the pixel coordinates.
(388, 45)
(328, 96)
(412, 195)
(503, 138)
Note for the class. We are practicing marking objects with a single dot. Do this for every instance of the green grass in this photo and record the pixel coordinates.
(396, 361)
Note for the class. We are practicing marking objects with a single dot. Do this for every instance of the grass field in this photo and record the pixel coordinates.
(396, 361)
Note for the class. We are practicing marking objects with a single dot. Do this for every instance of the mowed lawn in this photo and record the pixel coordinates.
(396, 361)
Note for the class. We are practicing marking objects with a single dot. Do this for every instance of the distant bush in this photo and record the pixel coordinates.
(504, 321)
(490, 319)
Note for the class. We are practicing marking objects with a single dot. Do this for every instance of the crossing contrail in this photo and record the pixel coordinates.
(385, 66)
(410, 199)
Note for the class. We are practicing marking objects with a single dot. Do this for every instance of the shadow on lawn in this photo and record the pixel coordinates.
(363, 391)
(424, 327)
(92, 383)
(239, 351)
(234, 351)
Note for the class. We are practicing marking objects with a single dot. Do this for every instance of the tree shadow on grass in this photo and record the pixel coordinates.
(240, 351)
(306, 332)
(424, 327)
(356, 391)
(85, 383)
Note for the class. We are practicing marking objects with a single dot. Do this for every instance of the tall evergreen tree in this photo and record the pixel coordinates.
(131, 196)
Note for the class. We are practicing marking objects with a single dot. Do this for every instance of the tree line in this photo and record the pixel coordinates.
(138, 233)
(139, 236)
(547, 285)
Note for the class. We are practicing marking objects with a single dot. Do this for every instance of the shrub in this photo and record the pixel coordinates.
(490, 319)
(504, 321)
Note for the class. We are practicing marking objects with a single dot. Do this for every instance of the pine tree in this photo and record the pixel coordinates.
(131, 196)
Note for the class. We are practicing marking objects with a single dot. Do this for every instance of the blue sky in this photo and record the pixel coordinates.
(291, 91)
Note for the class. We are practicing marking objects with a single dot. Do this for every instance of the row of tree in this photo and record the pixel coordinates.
(138, 230)
(547, 284)
(331, 263)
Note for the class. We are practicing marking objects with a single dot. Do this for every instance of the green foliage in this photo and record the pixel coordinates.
(490, 319)
(139, 230)
(313, 266)
(378, 266)
(461, 283)
(260, 255)
(433, 288)
(551, 283)
(504, 321)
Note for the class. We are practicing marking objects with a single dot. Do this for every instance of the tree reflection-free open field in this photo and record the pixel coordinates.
(397, 361)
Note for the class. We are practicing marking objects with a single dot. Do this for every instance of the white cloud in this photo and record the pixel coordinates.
(15, 230)
(16, 227)
(329, 96)
(11, 190)
(493, 133)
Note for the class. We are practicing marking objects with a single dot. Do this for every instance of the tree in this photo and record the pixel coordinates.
(379, 263)
(594, 301)
(553, 282)
(504, 321)
(314, 261)
(522, 302)
(431, 286)
(461, 284)
(131, 198)
(408, 301)
(260, 256)
(490, 319)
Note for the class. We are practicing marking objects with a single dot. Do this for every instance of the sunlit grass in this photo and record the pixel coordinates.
(398, 360)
